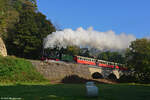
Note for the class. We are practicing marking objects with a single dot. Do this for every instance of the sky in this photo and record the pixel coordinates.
(120, 16)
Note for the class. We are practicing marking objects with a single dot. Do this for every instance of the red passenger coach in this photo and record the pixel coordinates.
(102, 63)
(96, 62)
(85, 60)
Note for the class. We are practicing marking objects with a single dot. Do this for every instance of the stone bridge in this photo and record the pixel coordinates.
(100, 72)
(61, 70)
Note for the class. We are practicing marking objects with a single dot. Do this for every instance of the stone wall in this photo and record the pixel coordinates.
(59, 71)
(3, 50)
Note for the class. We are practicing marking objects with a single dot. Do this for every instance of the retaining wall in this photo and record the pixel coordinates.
(59, 71)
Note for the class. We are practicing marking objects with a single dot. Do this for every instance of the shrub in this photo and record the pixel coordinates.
(127, 79)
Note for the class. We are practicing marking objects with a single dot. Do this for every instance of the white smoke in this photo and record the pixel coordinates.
(88, 38)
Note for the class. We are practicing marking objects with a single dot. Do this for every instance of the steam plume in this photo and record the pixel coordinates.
(88, 38)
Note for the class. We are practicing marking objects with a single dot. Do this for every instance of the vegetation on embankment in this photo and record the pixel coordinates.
(75, 92)
(14, 69)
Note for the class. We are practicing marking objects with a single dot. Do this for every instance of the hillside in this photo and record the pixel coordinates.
(14, 69)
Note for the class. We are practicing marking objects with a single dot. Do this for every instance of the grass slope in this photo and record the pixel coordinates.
(14, 69)
(75, 92)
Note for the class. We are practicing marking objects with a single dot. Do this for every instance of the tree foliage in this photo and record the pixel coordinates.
(8, 16)
(25, 28)
(10, 10)
(138, 57)
(27, 38)
(112, 56)
(84, 52)
(73, 50)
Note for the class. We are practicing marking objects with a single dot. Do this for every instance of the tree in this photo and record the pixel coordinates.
(84, 52)
(72, 50)
(10, 10)
(112, 56)
(26, 39)
(138, 58)
(8, 16)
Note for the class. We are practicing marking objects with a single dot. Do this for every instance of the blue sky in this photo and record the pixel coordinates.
(128, 16)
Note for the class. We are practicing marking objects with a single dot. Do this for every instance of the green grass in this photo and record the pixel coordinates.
(14, 69)
(74, 92)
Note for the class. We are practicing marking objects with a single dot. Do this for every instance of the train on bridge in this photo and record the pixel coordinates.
(100, 63)
(87, 61)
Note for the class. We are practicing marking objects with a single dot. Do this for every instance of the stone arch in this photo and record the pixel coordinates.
(94, 70)
(97, 75)
(116, 73)
(112, 76)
